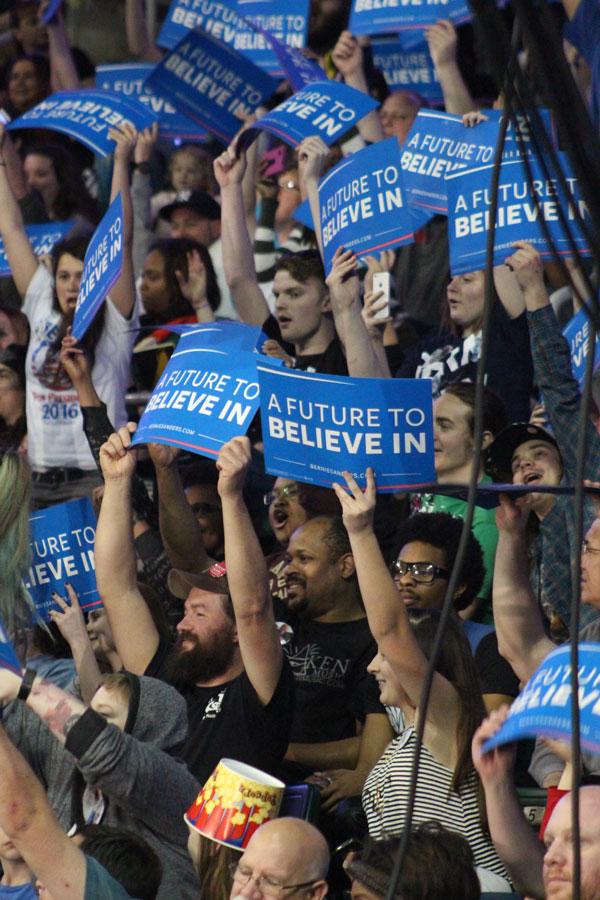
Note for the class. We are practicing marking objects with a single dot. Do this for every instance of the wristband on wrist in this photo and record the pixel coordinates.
(26, 685)
(143, 167)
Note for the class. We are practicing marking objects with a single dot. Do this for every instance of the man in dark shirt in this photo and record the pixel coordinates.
(227, 660)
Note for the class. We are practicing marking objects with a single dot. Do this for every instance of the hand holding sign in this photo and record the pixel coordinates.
(312, 158)
(348, 55)
(125, 138)
(358, 506)
(342, 281)
(146, 142)
(526, 263)
(233, 463)
(74, 361)
(228, 168)
(117, 456)
(442, 41)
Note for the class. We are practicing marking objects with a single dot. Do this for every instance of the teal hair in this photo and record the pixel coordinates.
(16, 605)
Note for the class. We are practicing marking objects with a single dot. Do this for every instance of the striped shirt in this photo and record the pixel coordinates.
(386, 789)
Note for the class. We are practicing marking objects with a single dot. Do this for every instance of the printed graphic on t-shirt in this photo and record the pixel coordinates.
(310, 665)
(447, 364)
(213, 707)
(45, 365)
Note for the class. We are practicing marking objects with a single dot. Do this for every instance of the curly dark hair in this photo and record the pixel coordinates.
(174, 252)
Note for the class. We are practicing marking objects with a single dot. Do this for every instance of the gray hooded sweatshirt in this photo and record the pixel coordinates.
(146, 788)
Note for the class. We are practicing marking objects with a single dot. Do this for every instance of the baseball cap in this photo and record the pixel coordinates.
(213, 579)
(501, 450)
(199, 202)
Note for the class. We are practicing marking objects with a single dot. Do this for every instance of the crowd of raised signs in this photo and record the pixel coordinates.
(224, 554)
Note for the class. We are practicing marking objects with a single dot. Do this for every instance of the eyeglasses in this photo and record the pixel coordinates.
(269, 887)
(585, 548)
(288, 183)
(422, 572)
(287, 492)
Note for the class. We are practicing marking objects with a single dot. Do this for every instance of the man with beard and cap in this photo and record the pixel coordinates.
(108, 763)
(227, 661)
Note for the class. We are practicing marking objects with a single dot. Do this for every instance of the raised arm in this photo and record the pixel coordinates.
(138, 36)
(179, 527)
(386, 612)
(141, 195)
(21, 258)
(70, 622)
(522, 640)
(238, 257)
(257, 633)
(135, 634)
(125, 137)
(312, 157)
(442, 41)
(348, 58)
(63, 74)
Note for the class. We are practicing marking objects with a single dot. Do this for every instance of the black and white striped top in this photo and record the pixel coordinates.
(386, 789)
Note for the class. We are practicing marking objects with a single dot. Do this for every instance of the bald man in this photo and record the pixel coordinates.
(558, 859)
(289, 854)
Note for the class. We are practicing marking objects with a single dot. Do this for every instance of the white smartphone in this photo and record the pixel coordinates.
(381, 282)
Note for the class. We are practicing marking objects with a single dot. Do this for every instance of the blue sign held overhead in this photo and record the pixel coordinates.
(211, 83)
(129, 79)
(544, 706)
(386, 423)
(383, 16)
(407, 69)
(8, 657)
(51, 11)
(363, 205)
(42, 239)
(216, 17)
(577, 334)
(86, 116)
(234, 334)
(284, 20)
(439, 143)
(518, 214)
(205, 396)
(326, 108)
(297, 68)
(62, 546)
(101, 267)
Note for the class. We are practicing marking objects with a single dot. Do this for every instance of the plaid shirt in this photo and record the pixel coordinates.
(554, 550)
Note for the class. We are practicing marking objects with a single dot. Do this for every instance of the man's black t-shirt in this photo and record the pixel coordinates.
(333, 688)
(230, 721)
(331, 362)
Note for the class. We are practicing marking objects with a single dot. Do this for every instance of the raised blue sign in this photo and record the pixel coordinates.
(62, 546)
(362, 204)
(544, 706)
(518, 214)
(42, 239)
(297, 68)
(326, 108)
(86, 116)
(211, 83)
(129, 79)
(383, 16)
(439, 143)
(577, 334)
(101, 267)
(216, 17)
(316, 426)
(205, 396)
(285, 20)
(407, 69)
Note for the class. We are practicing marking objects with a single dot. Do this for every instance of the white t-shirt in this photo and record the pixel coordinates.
(54, 422)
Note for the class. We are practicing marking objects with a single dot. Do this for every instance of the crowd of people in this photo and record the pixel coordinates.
(279, 624)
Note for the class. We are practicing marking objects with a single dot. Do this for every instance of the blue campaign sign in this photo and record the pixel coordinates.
(285, 20)
(439, 143)
(128, 79)
(577, 333)
(216, 17)
(205, 396)
(326, 108)
(234, 334)
(50, 11)
(211, 83)
(407, 69)
(291, 62)
(101, 267)
(386, 423)
(8, 657)
(86, 116)
(62, 547)
(544, 707)
(362, 204)
(42, 239)
(518, 214)
(382, 16)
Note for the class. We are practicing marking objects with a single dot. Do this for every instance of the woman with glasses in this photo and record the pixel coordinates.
(448, 788)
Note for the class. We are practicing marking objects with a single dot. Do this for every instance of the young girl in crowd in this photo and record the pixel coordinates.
(190, 169)
(62, 465)
(448, 789)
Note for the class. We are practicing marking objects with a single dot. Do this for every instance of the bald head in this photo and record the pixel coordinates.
(558, 861)
(288, 851)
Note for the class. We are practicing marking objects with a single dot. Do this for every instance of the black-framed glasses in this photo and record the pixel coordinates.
(269, 887)
(585, 548)
(287, 492)
(422, 572)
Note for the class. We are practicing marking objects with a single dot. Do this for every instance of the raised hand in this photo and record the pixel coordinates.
(358, 506)
(117, 459)
(233, 462)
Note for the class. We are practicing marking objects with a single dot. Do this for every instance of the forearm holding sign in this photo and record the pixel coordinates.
(348, 58)
(521, 637)
(138, 37)
(21, 258)
(442, 41)
(28, 820)
(123, 292)
(135, 634)
(63, 73)
(238, 258)
(258, 636)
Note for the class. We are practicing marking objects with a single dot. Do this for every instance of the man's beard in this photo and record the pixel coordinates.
(201, 663)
